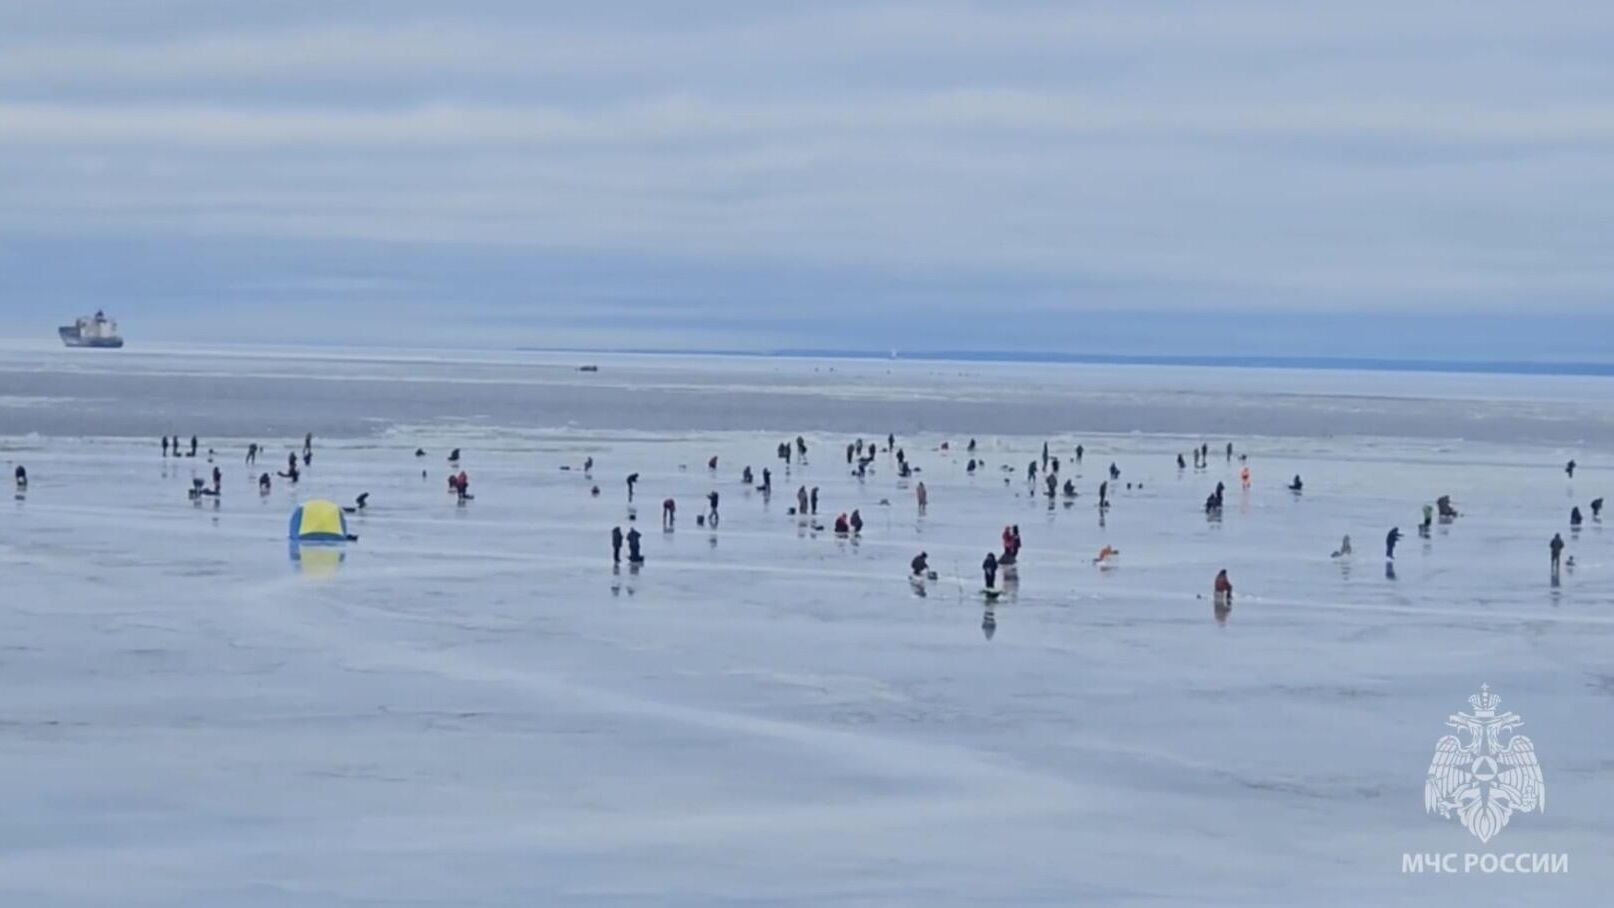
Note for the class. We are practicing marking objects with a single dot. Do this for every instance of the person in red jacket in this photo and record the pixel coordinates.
(1224, 590)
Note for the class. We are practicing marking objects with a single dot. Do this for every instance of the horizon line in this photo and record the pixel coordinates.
(1253, 361)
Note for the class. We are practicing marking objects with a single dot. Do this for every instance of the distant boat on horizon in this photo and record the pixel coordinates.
(92, 331)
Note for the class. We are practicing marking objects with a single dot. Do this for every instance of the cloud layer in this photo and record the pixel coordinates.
(1006, 160)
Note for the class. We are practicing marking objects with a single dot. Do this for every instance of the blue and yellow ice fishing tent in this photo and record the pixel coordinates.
(318, 521)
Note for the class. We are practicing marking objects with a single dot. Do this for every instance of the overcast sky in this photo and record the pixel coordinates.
(1065, 176)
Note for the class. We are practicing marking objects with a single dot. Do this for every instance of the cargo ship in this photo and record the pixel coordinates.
(92, 331)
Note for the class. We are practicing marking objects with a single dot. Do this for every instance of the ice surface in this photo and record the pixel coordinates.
(338, 392)
(473, 709)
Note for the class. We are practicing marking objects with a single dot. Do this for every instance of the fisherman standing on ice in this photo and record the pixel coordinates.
(989, 568)
(165, 446)
(711, 504)
(633, 480)
(616, 545)
(1390, 539)
(1556, 546)
(633, 546)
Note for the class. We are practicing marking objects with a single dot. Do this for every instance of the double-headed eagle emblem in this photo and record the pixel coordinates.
(1485, 779)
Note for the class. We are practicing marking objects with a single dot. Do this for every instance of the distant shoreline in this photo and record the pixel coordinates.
(1328, 363)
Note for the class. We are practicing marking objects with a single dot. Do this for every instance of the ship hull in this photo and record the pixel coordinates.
(71, 338)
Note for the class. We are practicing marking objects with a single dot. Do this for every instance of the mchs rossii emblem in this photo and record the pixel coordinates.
(1484, 773)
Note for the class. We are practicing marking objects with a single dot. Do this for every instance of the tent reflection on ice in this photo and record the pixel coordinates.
(318, 559)
(316, 535)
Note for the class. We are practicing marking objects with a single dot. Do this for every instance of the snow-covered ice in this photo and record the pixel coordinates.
(474, 709)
